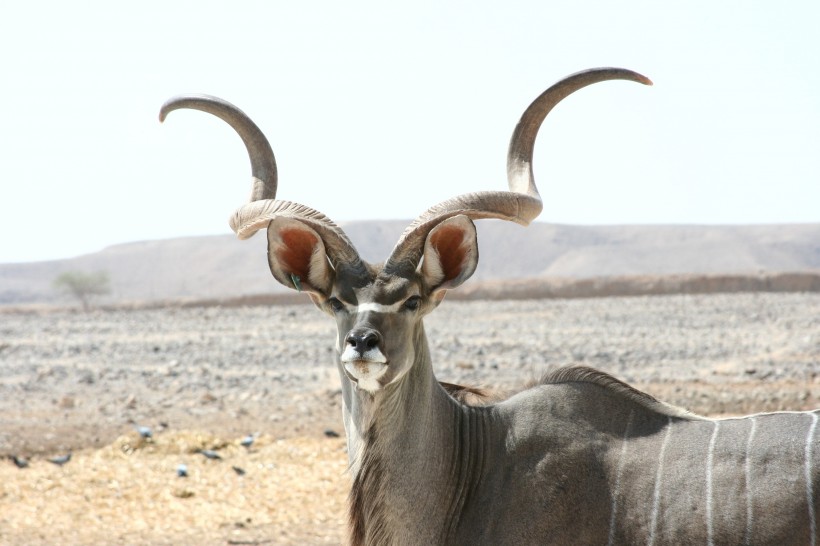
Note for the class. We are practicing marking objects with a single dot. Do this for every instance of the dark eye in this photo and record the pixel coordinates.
(412, 303)
(335, 304)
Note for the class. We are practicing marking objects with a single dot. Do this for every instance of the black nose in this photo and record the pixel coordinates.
(363, 339)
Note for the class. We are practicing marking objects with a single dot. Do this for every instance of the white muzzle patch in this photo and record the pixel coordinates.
(366, 368)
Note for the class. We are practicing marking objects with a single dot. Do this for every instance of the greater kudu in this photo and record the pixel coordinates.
(581, 458)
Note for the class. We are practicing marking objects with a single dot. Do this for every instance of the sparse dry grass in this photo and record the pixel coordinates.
(293, 492)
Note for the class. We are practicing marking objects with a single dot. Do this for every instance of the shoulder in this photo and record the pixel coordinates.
(582, 402)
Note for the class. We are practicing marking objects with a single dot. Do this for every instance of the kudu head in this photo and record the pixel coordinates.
(379, 308)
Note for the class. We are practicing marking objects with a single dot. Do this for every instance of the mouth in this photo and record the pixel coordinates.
(365, 373)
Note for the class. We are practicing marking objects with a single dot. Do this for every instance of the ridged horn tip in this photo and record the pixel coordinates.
(263, 163)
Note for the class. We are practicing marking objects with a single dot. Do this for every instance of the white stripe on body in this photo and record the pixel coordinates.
(748, 472)
(809, 488)
(656, 499)
(710, 457)
(621, 462)
(762, 414)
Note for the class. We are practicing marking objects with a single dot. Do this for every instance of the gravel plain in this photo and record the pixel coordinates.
(205, 377)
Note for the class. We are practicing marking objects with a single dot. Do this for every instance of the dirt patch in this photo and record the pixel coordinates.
(278, 491)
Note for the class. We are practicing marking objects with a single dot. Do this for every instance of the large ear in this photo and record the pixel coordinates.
(450, 254)
(297, 258)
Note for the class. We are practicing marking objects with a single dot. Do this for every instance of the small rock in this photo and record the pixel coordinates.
(61, 460)
(145, 432)
(19, 462)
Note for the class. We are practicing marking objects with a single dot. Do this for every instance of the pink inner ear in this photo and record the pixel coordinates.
(296, 252)
(447, 240)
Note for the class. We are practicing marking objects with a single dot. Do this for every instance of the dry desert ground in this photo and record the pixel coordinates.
(204, 378)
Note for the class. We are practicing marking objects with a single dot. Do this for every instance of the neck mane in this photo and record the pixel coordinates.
(584, 374)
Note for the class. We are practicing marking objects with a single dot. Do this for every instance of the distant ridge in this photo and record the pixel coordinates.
(220, 267)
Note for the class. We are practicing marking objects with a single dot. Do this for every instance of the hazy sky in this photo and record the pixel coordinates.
(378, 110)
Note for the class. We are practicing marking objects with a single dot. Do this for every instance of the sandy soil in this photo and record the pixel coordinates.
(203, 378)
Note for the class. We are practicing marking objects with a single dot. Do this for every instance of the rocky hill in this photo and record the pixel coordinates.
(218, 267)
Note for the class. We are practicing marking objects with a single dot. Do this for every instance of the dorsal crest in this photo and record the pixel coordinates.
(584, 374)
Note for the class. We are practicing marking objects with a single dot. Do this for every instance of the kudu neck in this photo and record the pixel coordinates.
(402, 405)
(405, 414)
(406, 446)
